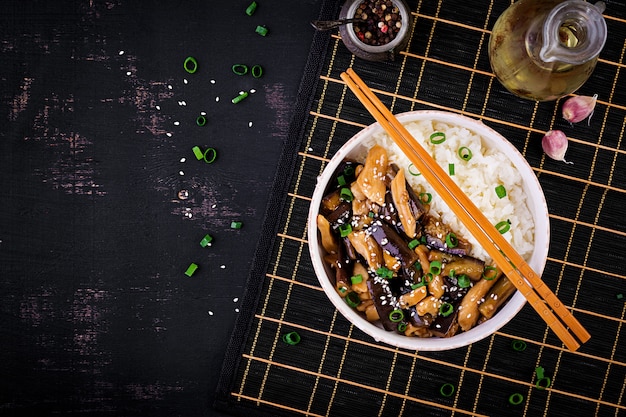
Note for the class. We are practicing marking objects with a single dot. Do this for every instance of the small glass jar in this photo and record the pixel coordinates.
(384, 51)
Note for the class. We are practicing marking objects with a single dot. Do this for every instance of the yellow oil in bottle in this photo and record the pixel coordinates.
(514, 46)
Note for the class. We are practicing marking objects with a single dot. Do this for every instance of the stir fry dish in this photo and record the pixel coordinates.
(395, 261)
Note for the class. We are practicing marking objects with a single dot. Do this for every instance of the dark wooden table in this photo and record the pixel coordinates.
(98, 123)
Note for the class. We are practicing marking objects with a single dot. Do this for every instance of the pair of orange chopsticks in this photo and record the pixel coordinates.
(504, 255)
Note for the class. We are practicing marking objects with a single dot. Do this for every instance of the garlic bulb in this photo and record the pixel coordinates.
(579, 108)
(554, 144)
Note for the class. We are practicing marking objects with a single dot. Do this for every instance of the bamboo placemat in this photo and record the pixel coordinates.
(336, 369)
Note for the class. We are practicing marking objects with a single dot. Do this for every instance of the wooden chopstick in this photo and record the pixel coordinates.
(504, 255)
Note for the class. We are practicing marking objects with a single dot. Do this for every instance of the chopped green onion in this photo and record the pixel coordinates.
(251, 8)
(435, 267)
(198, 152)
(236, 225)
(413, 244)
(463, 281)
(345, 229)
(209, 155)
(447, 389)
(257, 71)
(446, 309)
(516, 399)
(418, 285)
(346, 195)
(428, 278)
(451, 240)
(465, 153)
(291, 338)
(437, 138)
(490, 272)
(261, 30)
(518, 345)
(501, 191)
(240, 69)
(348, 171)
(371, 214)
(384, 272)
(190, 64)
(240, 97)
(451, 169)
(620, 296)
(413, 171)
(206, 241)
(425, 198)
(396, 316)
(543, 381)
(191, 269)
(201, 120)
(503, 226)
(401, 327)
(353, 299)
(341, 180)
(356, 279)
(343, 289)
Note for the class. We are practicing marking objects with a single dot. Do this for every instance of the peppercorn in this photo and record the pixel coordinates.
(382, 22)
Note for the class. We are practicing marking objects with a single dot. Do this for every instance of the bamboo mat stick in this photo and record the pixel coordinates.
(504, 255)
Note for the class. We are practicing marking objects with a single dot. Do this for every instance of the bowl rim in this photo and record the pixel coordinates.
(537, 261)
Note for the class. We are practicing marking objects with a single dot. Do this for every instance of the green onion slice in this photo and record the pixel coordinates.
(346, 195)
(396, 316)
(451, 240)
(446, 309)
(490, 272)
(356, 279)
(463, 281)
(240, 69)
(236, 225)
(190, 64)
(251, 8)
(465, 153)
(384, 272)
(401, 327)
(209, 155)
(413, 171)
(437, 138)
(501, 191)
(198, 152)
(261, 30)
(413, 244)
(206, 240)
(518, 345)
(451, 169)
(425, 198)
(240, 97)
(257, 71)
(291, 338)
(353, 299)
(435, 267)
(516, 399)
(418, 285)
(543, 381)
(345, 230)
(191, 269)
(503, 226)
(447, 389)
(201, 120)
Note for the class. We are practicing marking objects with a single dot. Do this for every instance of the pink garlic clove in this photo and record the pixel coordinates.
(554, 144)
(578, 108)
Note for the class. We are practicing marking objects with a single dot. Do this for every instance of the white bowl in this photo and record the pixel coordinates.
(535, 201)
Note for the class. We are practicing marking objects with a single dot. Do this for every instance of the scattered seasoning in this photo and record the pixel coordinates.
(346, 195)
(463, 281)
(210, 313)
(451, 169)
(191, 269)
(413, 171)
(345, 230)
(396, 316)
(240, 97)
(451, 240)
(447, 389)
(181, 173)
(262, 30)
(543, 381)
(183, 194)
(490, 272)
(257, 71)
(518, 345)
(201, 120)
(620, 296)
(435, 267)
(291, 338)
(503, 226)
(516, 399)
(206, 241)
(465, 153)
(236, 225)
(437, 138)
(501, 191)
(446, 309)
(240, 69)
(425, 198)
(198, 152)
(413, 244)
(209, 155)
(251, 8)
(176, 123)
(381, 22)
(356, 279)
(353, 299)
(190, 64)
(249, 124)
(384, 272)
